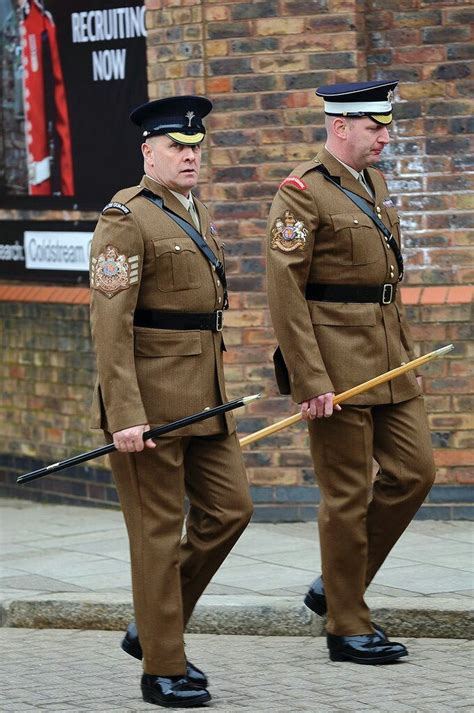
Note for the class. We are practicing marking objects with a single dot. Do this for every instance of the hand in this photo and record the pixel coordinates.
(130, 440)
(319, 406)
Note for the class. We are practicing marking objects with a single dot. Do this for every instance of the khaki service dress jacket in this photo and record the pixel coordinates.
(141, 259)
(316, 234)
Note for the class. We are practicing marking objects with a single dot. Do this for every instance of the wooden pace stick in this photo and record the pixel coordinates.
(355, 391)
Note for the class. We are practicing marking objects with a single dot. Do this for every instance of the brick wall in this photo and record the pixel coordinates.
(260, 63)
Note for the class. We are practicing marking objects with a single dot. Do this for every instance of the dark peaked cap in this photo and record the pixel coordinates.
(180, 118)
(373, 99)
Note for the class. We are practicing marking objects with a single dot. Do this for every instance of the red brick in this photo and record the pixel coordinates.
(463, 475)
(434, 295)
(416, 55)
(453, 456)
(463, 293)
(218, 85)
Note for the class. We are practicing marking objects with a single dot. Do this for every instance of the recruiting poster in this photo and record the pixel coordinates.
(71, 72)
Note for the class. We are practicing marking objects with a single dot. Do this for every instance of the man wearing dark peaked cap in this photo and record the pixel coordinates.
(334, 273)
(158, 295)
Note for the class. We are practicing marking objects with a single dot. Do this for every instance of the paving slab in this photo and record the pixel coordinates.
(65, 566)
(71, 670)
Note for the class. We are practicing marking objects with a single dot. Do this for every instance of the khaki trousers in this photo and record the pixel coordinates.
(360, 521)
(169, 573)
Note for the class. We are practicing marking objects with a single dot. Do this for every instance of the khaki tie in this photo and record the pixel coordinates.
(364, 183)
(194, 215)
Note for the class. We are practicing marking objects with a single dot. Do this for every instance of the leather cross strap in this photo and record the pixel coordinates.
(362, 204)
(197, 239)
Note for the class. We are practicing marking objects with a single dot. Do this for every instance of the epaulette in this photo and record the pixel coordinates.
(121, 198)
(295, 179)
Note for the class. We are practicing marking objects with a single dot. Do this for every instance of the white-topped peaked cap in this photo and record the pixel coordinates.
(373, 99)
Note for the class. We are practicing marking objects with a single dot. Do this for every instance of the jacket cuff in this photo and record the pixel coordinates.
(118, 419)
(303, 391)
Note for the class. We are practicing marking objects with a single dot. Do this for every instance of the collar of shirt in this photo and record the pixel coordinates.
(186, 201)
(355, 173)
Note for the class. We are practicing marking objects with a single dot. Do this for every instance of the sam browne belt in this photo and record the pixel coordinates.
(381, 294)
(157, 319)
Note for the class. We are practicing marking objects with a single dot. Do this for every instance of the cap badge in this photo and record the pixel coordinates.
(189, 116)
(288, 233)
(390, 95)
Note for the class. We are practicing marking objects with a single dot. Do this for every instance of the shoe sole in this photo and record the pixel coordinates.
(316, 603)
(336, 656)
(149, 696)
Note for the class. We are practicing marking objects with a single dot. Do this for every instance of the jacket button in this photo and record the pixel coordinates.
(356, 221)
(177, 248)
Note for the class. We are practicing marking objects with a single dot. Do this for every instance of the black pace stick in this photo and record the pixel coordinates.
(152, 433)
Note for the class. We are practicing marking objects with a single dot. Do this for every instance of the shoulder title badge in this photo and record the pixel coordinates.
(115, 205)
(288, 234)
(111, 272)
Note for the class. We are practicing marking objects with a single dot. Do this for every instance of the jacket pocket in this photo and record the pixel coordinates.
(171, 372)
(354, 233)
(164, 343)
(177, 265)
(342, 314)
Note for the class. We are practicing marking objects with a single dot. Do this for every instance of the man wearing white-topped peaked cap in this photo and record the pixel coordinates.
(334, 268)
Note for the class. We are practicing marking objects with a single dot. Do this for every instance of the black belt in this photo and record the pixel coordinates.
(383, 294)
(212, 321)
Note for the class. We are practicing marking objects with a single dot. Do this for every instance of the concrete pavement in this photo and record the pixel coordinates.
(68, 567)
(75, 671)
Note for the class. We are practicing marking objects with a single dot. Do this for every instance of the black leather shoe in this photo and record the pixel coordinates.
(315, 600)
(173, 691)
(131, 645)
(365, 649)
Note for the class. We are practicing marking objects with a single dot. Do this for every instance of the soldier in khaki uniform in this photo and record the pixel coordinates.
(333, 275)
(156, 313)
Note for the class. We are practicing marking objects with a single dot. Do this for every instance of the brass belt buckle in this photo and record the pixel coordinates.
(219, 320)
(387, 294)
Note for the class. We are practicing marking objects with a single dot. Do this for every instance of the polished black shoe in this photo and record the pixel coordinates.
(173, 691)
(315, 600)
(365, 649)
(131, 645)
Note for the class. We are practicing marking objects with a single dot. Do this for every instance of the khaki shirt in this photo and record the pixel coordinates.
(141, 259)
(317, 234)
